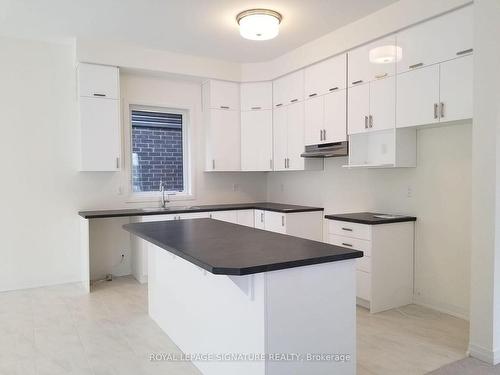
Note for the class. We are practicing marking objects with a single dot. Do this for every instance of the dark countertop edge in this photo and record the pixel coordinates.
(401, 219)
(91, 214)
(248, 270)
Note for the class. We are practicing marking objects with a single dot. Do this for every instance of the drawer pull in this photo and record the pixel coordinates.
(416, 66)
(294, 100)
(347, 229)
(256, 107)
(333, 89)
(100, 95)
(346, 244)
(465, 51)
(356, 82)
(224, 107)
(279, 104)
(378, 76)
(313, 94)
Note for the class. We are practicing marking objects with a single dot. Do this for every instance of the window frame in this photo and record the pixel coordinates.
(154, 196)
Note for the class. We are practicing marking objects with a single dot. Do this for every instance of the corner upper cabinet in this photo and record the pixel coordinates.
(288, 89)
(440, 39)
(256, 126)
(100, 130)
(221, 116)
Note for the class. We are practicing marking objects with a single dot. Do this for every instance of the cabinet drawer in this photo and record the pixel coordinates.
(347, 229)
(364, 264)
(363, 285)
(351, 243)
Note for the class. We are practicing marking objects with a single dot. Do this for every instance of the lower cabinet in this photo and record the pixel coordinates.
(299, 224)
(241, 217)
(385, 273)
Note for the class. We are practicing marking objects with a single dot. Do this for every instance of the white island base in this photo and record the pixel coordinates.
(309, 310)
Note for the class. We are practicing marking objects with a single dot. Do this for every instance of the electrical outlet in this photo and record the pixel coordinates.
(409, 192)
(236, 187)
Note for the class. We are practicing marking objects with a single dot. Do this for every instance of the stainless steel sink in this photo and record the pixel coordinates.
(386, 216)
(169, 208)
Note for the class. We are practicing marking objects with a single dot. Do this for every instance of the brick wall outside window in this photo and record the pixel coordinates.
(157, 156)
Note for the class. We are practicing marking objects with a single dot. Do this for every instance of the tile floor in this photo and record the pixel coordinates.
(62, 330)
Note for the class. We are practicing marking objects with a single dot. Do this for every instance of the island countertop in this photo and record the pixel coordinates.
(230, 249)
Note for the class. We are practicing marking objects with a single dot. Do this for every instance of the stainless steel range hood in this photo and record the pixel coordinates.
(327, 150)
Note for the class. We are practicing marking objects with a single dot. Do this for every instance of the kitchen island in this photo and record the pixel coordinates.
(244, 301)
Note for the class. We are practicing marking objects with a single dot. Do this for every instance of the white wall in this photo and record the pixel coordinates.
(41, 188)
(440, 198)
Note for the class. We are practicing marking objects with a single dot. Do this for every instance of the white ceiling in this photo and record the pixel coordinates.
(197, 27)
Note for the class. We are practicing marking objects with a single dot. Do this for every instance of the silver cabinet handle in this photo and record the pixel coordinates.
(346, 244)
(356, 82)
(210, 216)
(324, 134)
(213, 163)
(99, 95)
(282, 220)
(253, 108)
(366, 122)
(262, 217)
(287, 162)
(333, 89)
(294, 100)
(279, 104)
(435, 110)
(347, 229)
(313, 94)
(370, 121)
(382, 75)
(320, 134)
(224, 107)
(271, 164)
(441, 109)
(465, 51)
(416, 65)
(118, 163)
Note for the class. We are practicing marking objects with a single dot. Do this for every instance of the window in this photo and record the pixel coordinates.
(158, 150)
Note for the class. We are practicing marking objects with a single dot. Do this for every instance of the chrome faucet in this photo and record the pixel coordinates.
(164, 195)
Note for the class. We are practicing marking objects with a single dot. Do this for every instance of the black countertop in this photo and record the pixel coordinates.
(231, 249)
(268, 206)
(370, 218)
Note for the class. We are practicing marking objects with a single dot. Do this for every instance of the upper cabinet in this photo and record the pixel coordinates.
(256, 96)
(288, 89)
(98, 81)
(324, 77)
(440, 39)
(373, 61)
(221, 95)
(100, 130)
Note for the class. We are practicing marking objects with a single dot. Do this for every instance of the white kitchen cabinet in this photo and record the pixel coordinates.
(221, 95)
(99, 81)
(418, 97)
(275, 221)
(385, 273)
(257, 140)
(299, 224)
(456, 89)
(440, 39)
(325, 76)
(259, 219)
(280, 138)
(256, 96)
(372, 61)
(295, 136)
(245, 217)
(372, 106)
(222, 136)
(325, 118)
(288, 89)
(100, 134)
(242, 217)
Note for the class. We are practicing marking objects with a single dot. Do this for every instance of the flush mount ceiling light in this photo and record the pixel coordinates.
(385, 54)
(259, 24)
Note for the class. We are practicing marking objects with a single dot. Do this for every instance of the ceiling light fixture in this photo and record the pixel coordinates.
(259, 24)
(385, 54)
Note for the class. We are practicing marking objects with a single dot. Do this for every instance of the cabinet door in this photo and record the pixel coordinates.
(223, 140)
(358, 108)
(245, 217)
(456, 89)
(193, 215)
(227, 216)
(382, 104)
(417, 97)
(224, 95)
(259, 222)
(256, 140)
(440, 39)
(100, 134)
(280, 138)
(98, 81)
(279, 92)
(295, 136)
(255, 96)
(326, 76)
(314, 119)
(373, 61)
(275, 222)
(335, 118)
(294, 87)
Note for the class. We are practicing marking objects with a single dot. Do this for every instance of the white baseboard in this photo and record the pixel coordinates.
(452, 310)
(489, 356)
